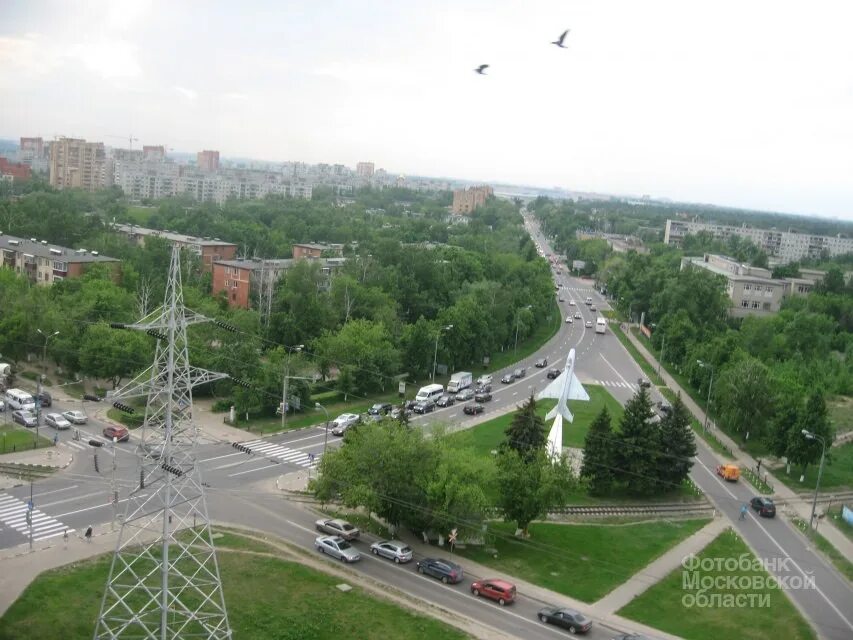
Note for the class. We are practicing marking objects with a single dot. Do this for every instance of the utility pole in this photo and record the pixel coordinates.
(284, 403)
(114, 489)
(813, 436)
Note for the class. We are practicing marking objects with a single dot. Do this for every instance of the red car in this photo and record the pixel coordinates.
(119, 433)
(501, 591)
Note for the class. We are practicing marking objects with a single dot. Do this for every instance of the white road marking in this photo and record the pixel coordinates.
(270, 466)
(227, 455)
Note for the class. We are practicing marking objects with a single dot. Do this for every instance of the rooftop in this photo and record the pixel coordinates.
(169, 235)
(43, 249)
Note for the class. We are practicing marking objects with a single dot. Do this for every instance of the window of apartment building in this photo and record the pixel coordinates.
(747, 287)
(60, 266)
(744, 304)
(756, 304)
(766, 306)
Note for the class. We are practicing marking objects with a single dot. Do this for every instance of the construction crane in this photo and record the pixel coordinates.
(130, 139)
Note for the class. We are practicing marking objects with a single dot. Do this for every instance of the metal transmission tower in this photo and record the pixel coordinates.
(164, 581)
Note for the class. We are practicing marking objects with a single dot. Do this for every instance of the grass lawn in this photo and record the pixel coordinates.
(837, 475)
(841, 413)
(267, 597)
(662, 605)
(581, 561)
(835, 514)
(140, 215)
(16, 438)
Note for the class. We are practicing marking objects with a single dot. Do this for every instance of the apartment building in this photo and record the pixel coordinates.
(364, 170)
(43, 263)
(306, 250)
(787, 246)
(140, 180)
(209, 250)
(77, 164)
(207, 161)
(14, 171)
(465, 201)
(154, 153)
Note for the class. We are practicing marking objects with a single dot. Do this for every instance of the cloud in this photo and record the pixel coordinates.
(110, 59)
(189, 94)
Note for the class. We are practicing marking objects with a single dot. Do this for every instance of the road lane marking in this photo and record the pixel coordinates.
(227, 455)
(299, 526)
(270, 466)
(47, 493)
(83, 497)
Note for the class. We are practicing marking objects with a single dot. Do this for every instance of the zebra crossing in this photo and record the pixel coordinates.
(13, 514)
(291, 456)
(615, 383)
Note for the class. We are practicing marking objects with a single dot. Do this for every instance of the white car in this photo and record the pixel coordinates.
(344, 422)
(393, 550)
(75, 417)
(337, 548)
(588, 324)
(569, 320)
(57, 421)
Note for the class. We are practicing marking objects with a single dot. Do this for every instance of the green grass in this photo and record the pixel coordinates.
(650, 372)
(16, 438)
(267, 597)
(140, 215)
(841, 413)
(130, 420)
(837, 474)
(662, 605)
(834, 514)
(581, 561)
(755, 480)
(844, 565)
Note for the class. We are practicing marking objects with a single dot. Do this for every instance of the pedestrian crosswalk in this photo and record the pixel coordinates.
(615, 383)
(73, 444)
(13, 514)
(285, 454)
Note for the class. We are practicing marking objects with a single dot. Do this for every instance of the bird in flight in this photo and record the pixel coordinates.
(482, 69)
(559, 41)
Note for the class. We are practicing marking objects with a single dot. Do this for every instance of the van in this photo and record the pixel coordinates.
(430, 392)
(484, 379)
(588, 300)
(18, 399)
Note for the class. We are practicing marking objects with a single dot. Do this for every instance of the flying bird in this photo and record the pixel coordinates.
(559, 41)
(482, 69)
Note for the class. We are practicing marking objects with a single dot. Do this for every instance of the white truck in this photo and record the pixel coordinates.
(460, 380)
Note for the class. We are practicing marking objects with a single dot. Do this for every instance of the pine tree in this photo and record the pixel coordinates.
(636, 454)
(677, 446)
(815, 419)
(598, 450)
(526, 432)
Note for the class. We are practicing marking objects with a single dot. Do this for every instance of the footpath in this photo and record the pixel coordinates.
(793, 501)
(53, 457)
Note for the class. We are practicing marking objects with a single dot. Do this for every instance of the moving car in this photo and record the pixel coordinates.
(465, 395)
(472, 409)
(444, 570)
(592, 307)
(445, 400)
(572, 303)
(764, 506)
(75, 417)
(44, 399)
(578, 315)
(424, 406)
(561, 299)
(393, 550)
(569, 320)
(507, 378)
(541, 363)
(24, 417)
(483, 396)
(501, 591)
(570, 619)
(730, 472)
(644, 383)
(553, 373)
(344, 422)
(337, 527)
(380, 409)
(119, 433)
(588, 324)
(519, 373)
(57, 421)
(337, 548)
(484, 379)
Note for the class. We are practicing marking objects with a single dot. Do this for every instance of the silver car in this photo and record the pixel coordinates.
(337, 527)
(25, 418)
(337, 547)
(75, 417)
(344, 422)
(393, 550)
(57, 421)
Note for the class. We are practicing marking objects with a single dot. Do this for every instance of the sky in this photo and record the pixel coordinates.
(747, 104)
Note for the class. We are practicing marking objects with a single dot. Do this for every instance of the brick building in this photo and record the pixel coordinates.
(43, 263)
(14, 171)
(77, 164)
(207, 160)
(465, 201)
(209, 250)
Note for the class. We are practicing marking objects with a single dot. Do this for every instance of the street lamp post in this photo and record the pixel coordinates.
(317, 405)
(662, 348)
(515, 348)
(813, 436)
(710, 384)
(435, 352)
(47, 338)
(289, 350)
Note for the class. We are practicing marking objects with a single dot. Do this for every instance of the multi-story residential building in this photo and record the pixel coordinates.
(154, 153)
(240, 184)
(14, 171)
(75, 163)
(465, 201)
(307, 250)
(207, 160)
(364, 170)
(32, 147)
(788, 246)
(147, 180)
(209, 250)
(43, 263)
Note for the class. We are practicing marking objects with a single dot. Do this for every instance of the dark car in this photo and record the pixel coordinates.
(483, 388)
(483, 396)
(465, 395)
(541, 363)
(444, 570)
(44, 399)
(424, 406)
(24, 417)
(519, 373)
(553, 373)
(500, 591)
(570, 619)
(508, 377)
(380, 409)
(764, 506)
(119, 433)
(644, 383)
(445, 400)
(472, 409)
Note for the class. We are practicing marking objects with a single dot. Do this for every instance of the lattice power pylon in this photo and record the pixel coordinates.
(164, 581)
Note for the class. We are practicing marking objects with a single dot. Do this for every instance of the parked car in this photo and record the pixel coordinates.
(337, 548)
(588, 324)
(501, 591)
(344, 422)
(444, 570)
(519, 373)
(553, 373)
(2, 406)
(424, 406)
(764, 506)
(24, 417)
(473, 409)
(75, 417)
(337, 527)
(570, 619)
(119, 433)
(561, 299)
(541, 363)
(445, 400)
(644, 383)
(57, 421)
(578, 315)
(569, 320)
(44, 399)
(394, 550)
(483, 396)
(380, 409)
(465, 395)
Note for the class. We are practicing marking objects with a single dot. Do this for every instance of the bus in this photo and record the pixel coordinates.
(18, 399)
(601, 325)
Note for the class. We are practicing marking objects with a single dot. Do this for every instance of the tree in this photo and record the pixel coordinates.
(367, 348)
(744, 396)
(677, 446)
(526, 432)
(599, 445)
(637, 445)
(814, 418)
(113, 354)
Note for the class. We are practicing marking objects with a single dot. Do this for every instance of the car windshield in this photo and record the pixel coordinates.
(347, 526)
(343, 544)
(406, 550)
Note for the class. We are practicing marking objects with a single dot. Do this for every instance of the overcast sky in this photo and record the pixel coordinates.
(746, 103)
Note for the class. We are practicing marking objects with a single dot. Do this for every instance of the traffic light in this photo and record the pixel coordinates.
(223, 325)
(123, 407)
(96, 463)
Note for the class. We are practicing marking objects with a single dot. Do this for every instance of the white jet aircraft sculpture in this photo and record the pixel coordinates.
(564, 387)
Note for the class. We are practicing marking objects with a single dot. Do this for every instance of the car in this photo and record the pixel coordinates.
(465, 395)
(561, 299)
(588, 324)
(541, 363)
(553, 373)
(592, 307)
(507, 378)
(519, 373)
(569, 320)
(764, 506)
(445, 400)
(483, 396)
(500, 591)
(75, 417)
(2, 406)
(24, 417)
(119, 433)
(372, 417)
(380, 409)
(57, 421)
(483, 388)
(570, 619)
(424, 406)
(473, 409)
(337, 527)
(44, 399)
(337, 547)
(644, 383)
(394, 550)
(578, 315)
(572, 303)
(444, 570)
(344, 422)
(484, 379)
(664, 408)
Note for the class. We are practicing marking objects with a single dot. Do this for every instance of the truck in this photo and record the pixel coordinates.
(729, 472)
(460, 380)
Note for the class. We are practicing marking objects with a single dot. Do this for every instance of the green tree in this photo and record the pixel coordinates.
(677, 446)
(112, 354)
(367, 348)
(598, 448)
(814, 418)
(637, 444)
(744, 396)
(526, 433)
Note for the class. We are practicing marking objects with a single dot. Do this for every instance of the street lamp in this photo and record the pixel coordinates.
(515, 348)
(289, 350)
(435, 352)
(813, 436)
(47, 337)
(710, 384)
(317, 405)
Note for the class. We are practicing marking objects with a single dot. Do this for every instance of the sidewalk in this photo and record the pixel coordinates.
(45, 457)
(795, 502)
